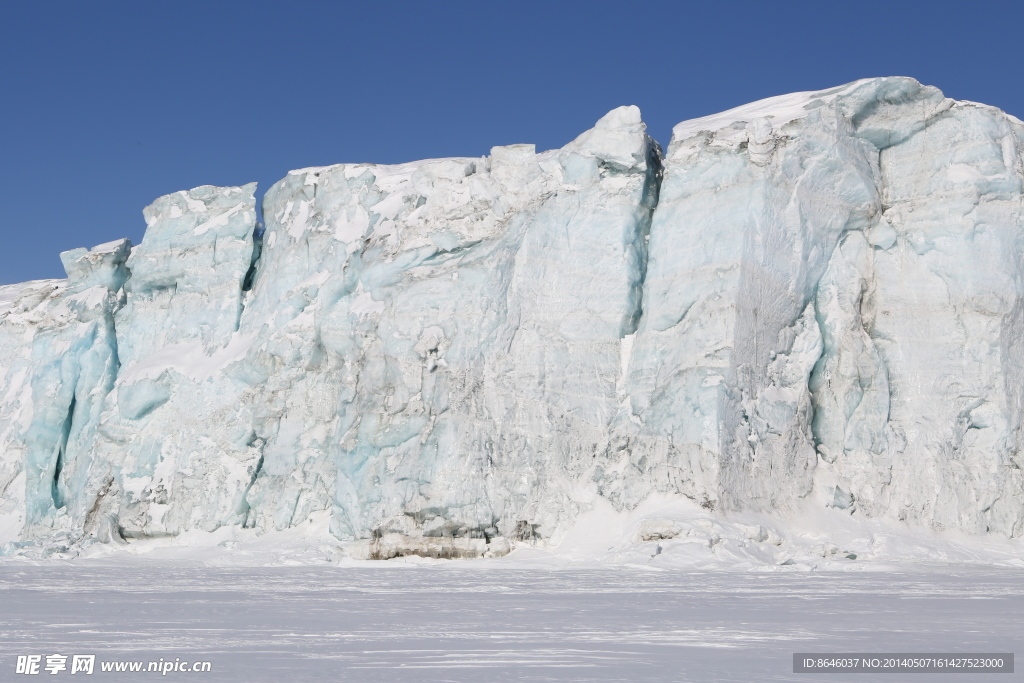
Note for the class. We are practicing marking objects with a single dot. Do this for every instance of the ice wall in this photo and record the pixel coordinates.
(175, 446)
(435, 344)
(890, 214)
(58, 360)
(816, 297)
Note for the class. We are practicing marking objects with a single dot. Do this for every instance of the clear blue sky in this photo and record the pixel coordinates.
(105, 106)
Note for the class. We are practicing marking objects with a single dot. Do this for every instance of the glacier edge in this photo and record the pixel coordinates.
(815, 299)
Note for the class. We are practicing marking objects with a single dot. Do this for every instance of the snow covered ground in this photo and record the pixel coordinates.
(728, 598)
(491, 621)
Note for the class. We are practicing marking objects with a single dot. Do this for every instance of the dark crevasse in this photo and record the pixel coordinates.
(56, 487)
(640, 244)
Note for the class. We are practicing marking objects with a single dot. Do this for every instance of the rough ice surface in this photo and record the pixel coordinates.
(58, 361)
(833, 302)
(813, 302)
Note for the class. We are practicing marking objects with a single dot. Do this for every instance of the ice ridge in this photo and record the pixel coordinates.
(816, 298)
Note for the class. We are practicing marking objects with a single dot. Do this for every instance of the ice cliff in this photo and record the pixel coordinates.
(816, 297)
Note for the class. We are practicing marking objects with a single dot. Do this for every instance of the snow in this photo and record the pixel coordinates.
(495, 620)
(8, 293)
(795, 337)
(778, 111)
(363, 305)
(219, 221)
(189, 359)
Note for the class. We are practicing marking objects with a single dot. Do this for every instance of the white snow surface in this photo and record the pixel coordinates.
(796, 337)
(490, 622)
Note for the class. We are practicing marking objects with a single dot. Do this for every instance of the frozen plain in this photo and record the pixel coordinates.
(478, 621)
(603, 605)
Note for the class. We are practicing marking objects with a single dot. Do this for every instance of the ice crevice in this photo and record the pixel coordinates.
(813, 302)
(56, 489)
(642, 235)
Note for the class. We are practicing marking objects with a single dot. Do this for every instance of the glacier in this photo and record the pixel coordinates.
(814, 301)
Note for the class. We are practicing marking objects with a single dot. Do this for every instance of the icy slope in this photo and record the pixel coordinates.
(813, 300)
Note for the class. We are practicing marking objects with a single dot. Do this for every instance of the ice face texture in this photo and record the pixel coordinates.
(429, 347)
(172, 452)
(58, 360)
(889, 214)
(813, 298)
